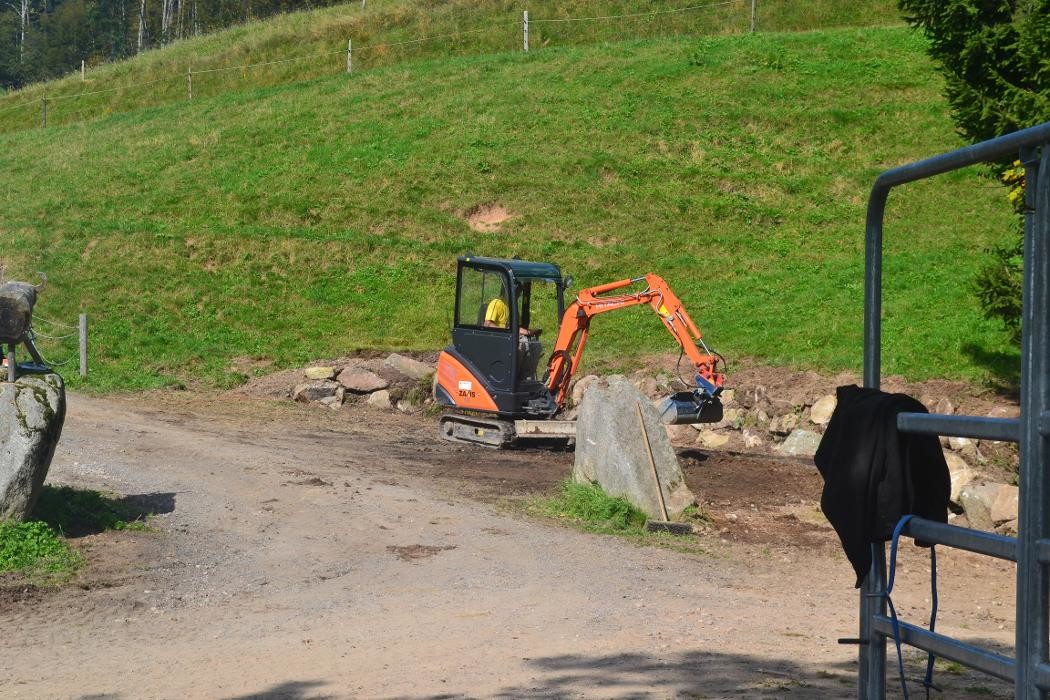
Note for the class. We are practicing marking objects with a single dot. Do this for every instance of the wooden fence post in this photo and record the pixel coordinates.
(189, 82)
(754, 14)
(43, 111)
(83, 345)
(83, 71)
(349, 55)
(525, 29)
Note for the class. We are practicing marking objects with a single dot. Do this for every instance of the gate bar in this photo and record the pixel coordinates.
(977, 541)
(948, 648)
(1006, 429)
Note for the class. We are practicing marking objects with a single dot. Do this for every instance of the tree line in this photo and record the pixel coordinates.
(44, 39)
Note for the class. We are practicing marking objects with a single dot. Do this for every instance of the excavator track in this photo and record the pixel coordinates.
(488, 432)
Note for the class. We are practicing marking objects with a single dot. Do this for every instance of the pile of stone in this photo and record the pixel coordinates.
(395, 381)
(793, 426)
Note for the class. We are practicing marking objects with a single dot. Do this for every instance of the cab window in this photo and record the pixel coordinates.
(477, 288)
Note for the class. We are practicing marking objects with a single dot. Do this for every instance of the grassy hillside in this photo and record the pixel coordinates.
(305, 221)
(308, 45)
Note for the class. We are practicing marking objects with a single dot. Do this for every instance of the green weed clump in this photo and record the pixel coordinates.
(34, 546)
(588, 505)
(76, 512)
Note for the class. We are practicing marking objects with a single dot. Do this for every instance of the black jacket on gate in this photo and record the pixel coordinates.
(874, 474)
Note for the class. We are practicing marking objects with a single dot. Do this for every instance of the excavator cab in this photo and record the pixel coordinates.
(492, 365)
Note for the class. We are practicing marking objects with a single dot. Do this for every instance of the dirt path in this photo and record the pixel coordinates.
(314, 554)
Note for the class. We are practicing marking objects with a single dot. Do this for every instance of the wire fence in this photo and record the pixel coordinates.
(43, 110)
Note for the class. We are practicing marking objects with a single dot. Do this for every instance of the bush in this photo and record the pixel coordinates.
(999, 282)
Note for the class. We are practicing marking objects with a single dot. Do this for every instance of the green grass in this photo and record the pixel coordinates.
(319, 38)
(38, 548)
(587, 505)
(305, 221)
(34, 548)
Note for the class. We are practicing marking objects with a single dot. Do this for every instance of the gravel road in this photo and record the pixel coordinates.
(304, 553)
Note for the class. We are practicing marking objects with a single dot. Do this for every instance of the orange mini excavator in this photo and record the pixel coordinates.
(488, 374)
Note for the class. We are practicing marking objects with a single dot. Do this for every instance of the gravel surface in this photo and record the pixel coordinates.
(308, 553)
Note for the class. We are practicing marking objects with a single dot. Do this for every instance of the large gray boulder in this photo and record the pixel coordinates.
(32, 411)
(611, 451)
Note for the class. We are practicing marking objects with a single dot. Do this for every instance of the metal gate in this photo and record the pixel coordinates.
(1029, 669)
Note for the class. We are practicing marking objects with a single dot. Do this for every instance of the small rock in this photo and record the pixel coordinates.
(728, 396)
(800, 443)
(407, 407)
(380, 399)
(408, 366)
(960, 473)
(319, 372)
(731, 418)
(305, 393)
(752, 440)
(783, 425)
(944, 407)
(712, 439)
(681, 434)
(761, 416)
(1004, 507)
(965, 446)
(647, 385)
(1004, 412)
(977, 503)
(1007, 528)
(331, 401)
(820, 413)
(362, 381)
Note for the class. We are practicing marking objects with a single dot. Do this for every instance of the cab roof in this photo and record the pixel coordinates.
(519, 269)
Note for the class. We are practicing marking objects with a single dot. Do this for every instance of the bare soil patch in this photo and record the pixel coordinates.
(487, 217)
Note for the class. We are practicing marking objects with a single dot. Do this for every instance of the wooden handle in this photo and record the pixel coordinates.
(652, 462)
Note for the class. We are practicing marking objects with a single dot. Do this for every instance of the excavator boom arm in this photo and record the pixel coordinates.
(590, 302)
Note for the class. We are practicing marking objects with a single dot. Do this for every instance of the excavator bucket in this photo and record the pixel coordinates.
(699, 405)
(686, 407)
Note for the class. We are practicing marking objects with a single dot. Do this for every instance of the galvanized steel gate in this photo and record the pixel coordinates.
(1029, 670)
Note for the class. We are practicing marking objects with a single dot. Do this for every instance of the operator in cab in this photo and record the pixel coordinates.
(497, 314)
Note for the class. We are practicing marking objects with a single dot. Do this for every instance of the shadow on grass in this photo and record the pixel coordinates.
(79, 512)
(1004, 367)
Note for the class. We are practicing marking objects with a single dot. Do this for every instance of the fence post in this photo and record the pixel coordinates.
(83, 345)
(525, 29)
(43, 111)
(189, 82)
(349, 55)
(83, 71)
(754, 14)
